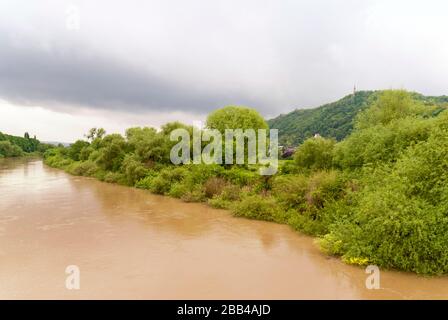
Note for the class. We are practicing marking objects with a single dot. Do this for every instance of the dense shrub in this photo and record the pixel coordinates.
(381, 143)
(87, 168)
(195, 195)
(177, 190)
(290, 191)
(111, 152)
(163, 181)
(214, 186)
(241, 176)
(7, 149)
(74, 151)
(257, 207)
(315, 153)
(390, 106)
(400, 220)
(230, 194)
(133, 169)
(323, 186)
(114, 177)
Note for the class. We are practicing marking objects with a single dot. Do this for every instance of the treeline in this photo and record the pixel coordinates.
(334, 119)
(380, 196)
(14, 146)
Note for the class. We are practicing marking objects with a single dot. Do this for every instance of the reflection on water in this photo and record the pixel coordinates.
(129, 243)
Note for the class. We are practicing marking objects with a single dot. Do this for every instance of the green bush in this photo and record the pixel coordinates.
(323, 186)
(133, 169)
(74, 151)
(111, 152)
(290, 190)
(7, 149)
(315, 154)
(241, 176)
(195, 195)
(161, 183)
(381, 143)
(390, 105)
(258, 207)
(114, 177)
(214, 186)
(224, 200)
(87, 168)
(399, 220)
(177, 190)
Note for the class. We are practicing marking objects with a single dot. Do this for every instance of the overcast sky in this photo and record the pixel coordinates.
(66, 66)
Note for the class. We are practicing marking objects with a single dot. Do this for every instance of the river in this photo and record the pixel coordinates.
(131, 244)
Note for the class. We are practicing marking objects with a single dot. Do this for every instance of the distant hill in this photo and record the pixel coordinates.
(57, 143)
(27, 144)
(333, 119)
(13, 146)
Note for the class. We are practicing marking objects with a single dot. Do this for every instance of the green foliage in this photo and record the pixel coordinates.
(241, 176)
(389, 106)
(26, 144)
(195, 195)
(214, 186)
(74, 151)
(315, 153)
(230, 194)
(133, 169)
(306, 199)
(147, 144)
(114, 177)
(162, 182)
(381, 143)
(7, 149)
(380, 196)
(95, 133)
(112, 149)
(290, 191)
(398, 220)
(234, 117)
(257, 207)
(87, 168)
(335, 120)
(394, 122)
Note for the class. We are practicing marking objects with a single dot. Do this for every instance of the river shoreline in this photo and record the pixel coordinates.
(131, 244)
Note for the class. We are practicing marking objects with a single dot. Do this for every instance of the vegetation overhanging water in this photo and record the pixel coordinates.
(380, 196)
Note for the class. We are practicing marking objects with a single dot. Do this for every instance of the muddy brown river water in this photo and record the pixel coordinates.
(130, 244)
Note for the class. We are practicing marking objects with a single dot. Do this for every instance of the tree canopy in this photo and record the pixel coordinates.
(235, 117)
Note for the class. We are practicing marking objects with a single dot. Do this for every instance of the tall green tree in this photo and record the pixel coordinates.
(235, 117)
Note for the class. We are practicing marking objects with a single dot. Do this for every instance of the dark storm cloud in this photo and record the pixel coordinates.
(69, 78)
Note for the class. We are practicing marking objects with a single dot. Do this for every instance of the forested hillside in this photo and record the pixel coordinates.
(14, 146)
(332, 120)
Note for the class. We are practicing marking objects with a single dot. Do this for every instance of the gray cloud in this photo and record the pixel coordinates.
(66, 79)
(195, 56)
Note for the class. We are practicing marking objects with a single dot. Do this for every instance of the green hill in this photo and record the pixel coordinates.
(331, 120)
(14, 146)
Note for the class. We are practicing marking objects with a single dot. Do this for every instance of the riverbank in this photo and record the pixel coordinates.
(379, 197)
(132, 244)
(31, 155)
(241, 191)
